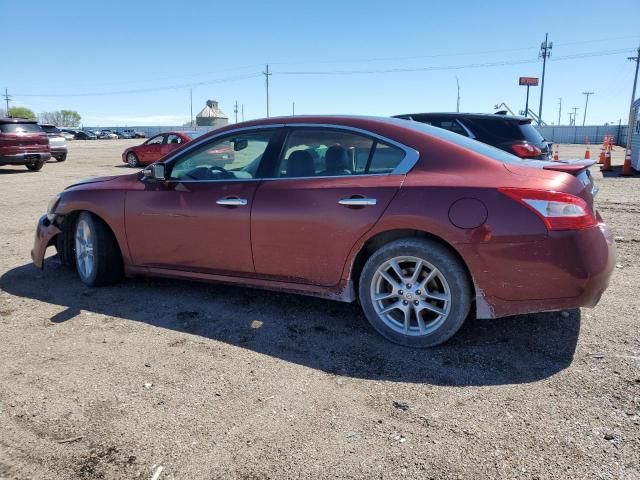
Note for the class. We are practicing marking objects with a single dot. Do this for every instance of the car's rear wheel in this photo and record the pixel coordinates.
(415, 293)
(132, 160)
(35, 165)
(61, 158)
(98, 258)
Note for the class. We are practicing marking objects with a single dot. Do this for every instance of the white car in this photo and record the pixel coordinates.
(107, 134)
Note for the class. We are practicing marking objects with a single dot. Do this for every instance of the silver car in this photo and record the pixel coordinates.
(57, 142)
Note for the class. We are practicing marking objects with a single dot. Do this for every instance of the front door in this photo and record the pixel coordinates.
(331, 187)
(199, 219)
(150, 150)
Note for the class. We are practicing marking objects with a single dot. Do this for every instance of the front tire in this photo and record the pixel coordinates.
(415, 292)
(61, 158)
(132, 160)
(97, 255)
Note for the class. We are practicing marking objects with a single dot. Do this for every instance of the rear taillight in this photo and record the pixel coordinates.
(558, 211)
(525, 150)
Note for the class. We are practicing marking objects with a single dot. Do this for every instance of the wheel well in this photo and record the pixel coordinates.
(383, 238)
(66, 248)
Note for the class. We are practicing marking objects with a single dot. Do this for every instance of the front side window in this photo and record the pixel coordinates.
(328, 153)
(173, 139)
(233, 157)
(156, 140)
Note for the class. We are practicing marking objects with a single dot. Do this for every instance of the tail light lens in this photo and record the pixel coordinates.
(558, 211)
(525, 150)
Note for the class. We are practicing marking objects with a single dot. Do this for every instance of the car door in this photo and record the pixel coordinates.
(172, 143)
(330, 187)
(150, 151)
(198, 220)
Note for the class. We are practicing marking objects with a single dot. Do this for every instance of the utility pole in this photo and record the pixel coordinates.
(545, 52)
(559, 109)
(575, 112)
(235, 110)
(570, 118)
(458, 102)
(293, 110)
(266, 76)
(191, 105)
(242, 112)
(586, 104)
(633, 97)
(7, 97)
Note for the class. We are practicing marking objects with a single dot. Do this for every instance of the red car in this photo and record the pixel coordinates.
(416, 223)
(154, 149)
(23, 142)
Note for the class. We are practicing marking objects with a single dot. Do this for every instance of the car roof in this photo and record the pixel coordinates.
(515, 118)
(16, 120)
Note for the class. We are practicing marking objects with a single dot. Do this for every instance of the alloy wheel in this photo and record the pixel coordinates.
(410, 295)
(85, 259)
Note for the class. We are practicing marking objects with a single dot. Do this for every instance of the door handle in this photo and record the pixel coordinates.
(357, 202)
(232, 202)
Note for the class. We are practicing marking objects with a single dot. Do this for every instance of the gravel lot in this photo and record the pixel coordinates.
(221, 382)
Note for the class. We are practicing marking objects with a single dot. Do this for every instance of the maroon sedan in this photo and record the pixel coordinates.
(418, 224)
(154, 149)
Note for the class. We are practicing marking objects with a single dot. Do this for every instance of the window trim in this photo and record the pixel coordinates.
(408, 162)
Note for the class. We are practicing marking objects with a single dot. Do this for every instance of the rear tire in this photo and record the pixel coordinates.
(62, 157)
(132, 160)
(97, 256)
(35, 166)
(422, 305)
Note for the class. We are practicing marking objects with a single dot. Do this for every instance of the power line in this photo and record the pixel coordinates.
(449, 67)
(141, 90)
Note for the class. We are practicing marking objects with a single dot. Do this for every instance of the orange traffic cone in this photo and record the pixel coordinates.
(606, 167)
(556, 155)
(587, 153)
(601, 159)
(626, 167)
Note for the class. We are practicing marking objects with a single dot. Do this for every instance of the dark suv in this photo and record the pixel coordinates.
(23, 142)
(510, 133)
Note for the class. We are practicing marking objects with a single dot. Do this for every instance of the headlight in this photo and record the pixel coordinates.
(52, 207)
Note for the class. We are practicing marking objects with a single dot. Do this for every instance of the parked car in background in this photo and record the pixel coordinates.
(107, 135)
(57, 142)
(135, 133)
(68, 133)
(154, 149)
(512, 134)
(85, 135)
(421, 225)
(23, 142)
(123, 134)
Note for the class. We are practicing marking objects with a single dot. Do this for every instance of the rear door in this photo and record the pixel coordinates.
(329, 187)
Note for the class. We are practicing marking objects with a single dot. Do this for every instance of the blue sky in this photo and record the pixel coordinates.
(220, 48)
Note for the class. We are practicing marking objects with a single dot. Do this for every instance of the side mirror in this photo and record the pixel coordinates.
(155, 171)
(240, 144)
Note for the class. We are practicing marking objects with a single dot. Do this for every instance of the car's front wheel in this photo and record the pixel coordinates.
(415, 292)
(98, 258)
(132, 160)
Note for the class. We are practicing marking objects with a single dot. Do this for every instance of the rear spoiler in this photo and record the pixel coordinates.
(573, 167)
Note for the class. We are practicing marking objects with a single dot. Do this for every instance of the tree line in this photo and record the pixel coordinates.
(59, 118)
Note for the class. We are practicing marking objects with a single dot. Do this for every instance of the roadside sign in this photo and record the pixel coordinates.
(529, 81)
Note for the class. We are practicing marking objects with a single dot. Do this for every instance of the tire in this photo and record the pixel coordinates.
(132, 160)
(97, 256)
(35, 166)
(443, 302)
(61, 158)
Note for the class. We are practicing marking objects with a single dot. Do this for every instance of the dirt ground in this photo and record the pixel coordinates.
(115, 382)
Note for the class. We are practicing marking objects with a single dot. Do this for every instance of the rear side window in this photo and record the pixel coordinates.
(530, 133)
(313, 152)
(503, 129)
(20, 128)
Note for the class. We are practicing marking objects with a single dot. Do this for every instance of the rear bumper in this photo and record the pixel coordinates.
(567, 270)
(45, 234)
(24, 158)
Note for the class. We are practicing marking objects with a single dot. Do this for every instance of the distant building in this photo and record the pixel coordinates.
(211, 116)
